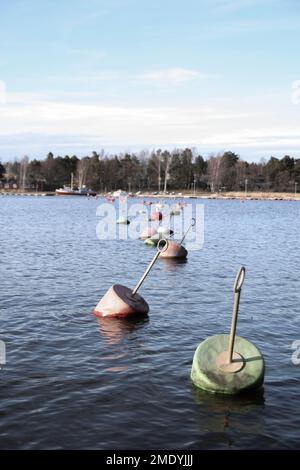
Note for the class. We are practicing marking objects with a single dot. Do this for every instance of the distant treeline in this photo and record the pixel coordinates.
(153, 171)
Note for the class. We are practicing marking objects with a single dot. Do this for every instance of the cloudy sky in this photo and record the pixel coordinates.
(78, 76)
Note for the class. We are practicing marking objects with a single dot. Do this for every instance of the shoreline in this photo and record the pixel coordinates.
(239, 195)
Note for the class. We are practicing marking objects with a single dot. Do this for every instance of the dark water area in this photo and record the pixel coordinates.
(72, 381)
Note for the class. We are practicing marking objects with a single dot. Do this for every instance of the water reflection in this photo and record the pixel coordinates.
(114, 329)
(221, 413)
(171, 264)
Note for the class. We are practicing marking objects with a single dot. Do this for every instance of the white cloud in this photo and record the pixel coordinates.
(2, 92)
(172, 75)
(261, 138)
(33, 123)
(28, 113)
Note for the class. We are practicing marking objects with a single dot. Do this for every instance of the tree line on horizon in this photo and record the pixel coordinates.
(159, 170)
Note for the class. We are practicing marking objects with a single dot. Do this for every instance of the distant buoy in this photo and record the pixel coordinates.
(156, 216)
(148, 233)
(156, 237)
(123, 220)
(228, 364)
(150, 242)
(120, 301)
(176, 210)
(161, 233)
(164, 231)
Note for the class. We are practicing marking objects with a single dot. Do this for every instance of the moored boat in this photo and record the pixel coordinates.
(67, 191)
(70, 191)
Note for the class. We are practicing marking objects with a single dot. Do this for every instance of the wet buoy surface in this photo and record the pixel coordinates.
(174, 250)
(211, 371)
(119, 301)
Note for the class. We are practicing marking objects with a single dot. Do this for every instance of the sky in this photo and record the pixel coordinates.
(127, 75)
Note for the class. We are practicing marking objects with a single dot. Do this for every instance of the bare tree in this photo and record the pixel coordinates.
(167, 158)
(23, 171)
(213, 172)
(82, 170)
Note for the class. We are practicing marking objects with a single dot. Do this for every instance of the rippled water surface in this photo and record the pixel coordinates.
(72, 381)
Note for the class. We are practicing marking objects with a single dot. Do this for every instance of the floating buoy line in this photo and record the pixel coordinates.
(222, 364)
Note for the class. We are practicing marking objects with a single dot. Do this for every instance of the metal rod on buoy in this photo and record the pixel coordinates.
(193, 221)
(237, 294)
(159, 251)
(228, 364)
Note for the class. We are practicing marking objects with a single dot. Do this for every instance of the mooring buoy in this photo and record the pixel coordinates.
(166, 231)
(161, 232)
(123, 220)
(156, 216)
(177, 209)
(147, 233)
(152, 241)
(177, 250)
(174, 251)
(228, 364)
(120, 301)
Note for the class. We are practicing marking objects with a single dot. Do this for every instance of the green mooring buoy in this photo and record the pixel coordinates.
(150, 242)
(228, 364)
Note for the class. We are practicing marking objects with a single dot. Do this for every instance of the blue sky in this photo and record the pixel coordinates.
(132, 74)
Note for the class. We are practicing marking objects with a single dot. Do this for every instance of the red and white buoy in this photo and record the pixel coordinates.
(157, 215)
(120, 301)
(174, 250)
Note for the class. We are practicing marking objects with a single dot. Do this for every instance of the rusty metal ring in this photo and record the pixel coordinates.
(240, 277)
(164, 247)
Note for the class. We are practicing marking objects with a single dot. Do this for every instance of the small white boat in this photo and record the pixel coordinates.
(70, 191)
